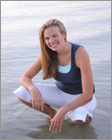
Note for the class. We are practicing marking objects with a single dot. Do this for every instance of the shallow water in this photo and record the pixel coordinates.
(88, 23)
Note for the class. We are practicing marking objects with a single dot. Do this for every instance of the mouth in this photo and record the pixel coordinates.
(54, 45)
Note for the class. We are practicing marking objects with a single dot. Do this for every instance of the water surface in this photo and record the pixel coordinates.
(88, 23)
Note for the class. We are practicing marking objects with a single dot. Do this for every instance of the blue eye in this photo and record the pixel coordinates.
(46, 38)
(54, 35)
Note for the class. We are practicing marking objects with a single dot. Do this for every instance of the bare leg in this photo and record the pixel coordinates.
(47, 109)
(79, 122)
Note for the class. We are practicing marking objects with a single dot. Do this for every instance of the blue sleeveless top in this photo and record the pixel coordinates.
(70, 82)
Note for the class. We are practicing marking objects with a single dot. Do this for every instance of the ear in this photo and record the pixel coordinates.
(64, 36)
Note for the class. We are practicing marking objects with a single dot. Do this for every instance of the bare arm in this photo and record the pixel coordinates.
(26, 78)
(26, 81)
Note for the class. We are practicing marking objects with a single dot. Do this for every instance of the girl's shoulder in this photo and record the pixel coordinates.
(82, 56)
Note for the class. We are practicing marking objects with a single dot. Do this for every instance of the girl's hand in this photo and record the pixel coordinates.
(57, 121)
(37, 101)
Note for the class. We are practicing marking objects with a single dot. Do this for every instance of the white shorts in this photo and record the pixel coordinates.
(54, 97)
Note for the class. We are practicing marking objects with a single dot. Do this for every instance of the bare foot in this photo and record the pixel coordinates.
(50, 117)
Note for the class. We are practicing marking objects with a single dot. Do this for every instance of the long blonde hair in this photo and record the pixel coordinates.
(48, 57)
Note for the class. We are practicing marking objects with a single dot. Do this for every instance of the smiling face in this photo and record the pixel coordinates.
(53, 38)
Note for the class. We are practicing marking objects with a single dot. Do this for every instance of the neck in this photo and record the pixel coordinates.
(65, 49)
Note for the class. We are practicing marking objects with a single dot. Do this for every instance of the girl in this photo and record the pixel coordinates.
(69, 65)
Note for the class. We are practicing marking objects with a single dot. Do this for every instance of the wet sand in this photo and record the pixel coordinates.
(69, 131)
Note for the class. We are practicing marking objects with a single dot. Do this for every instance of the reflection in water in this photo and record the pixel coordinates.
(69, 131)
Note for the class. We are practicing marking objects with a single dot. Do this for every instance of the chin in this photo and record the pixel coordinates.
(54, 50)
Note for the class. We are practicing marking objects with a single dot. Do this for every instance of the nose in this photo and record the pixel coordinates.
(51, 40)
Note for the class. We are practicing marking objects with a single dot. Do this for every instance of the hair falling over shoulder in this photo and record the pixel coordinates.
(48, 57)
